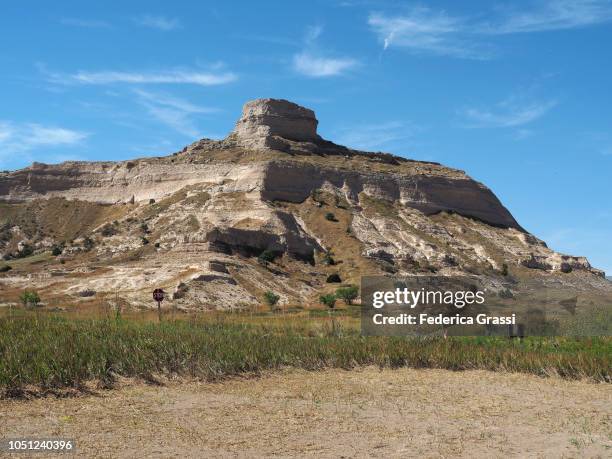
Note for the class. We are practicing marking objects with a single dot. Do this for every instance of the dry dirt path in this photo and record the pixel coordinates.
(334, 413)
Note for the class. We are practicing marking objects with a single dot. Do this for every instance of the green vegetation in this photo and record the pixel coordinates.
(333, 278)
(30, 298)
(5, 268)
(348, 294)
(57, 250)
(328, 300)
(48, 351)
(271, 299)
(265, 257)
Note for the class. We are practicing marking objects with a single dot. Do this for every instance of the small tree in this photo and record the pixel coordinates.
(271, 299)
(328, 300)
(504, 270)
(348, 294)
(29, 298)
(333, 279)
(56, 250)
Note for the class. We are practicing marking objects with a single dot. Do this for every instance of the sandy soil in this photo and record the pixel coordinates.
(335, 413)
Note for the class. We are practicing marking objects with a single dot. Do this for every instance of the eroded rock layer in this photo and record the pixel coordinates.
(272, 207)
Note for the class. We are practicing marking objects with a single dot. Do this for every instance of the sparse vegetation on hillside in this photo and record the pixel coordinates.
(348, 294)
(328, 300)
(30, 298)
(271, 299)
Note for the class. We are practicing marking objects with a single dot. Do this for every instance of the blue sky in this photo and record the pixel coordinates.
(518, 95)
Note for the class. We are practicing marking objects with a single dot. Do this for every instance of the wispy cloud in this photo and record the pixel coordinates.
(85, 23)
(375, 136)
(514, 111)
(425, 30)
(313, 63)
(25, 137)
(178, 76)
(554, 15)
(158, 22)
(318, 66)
(173, 112)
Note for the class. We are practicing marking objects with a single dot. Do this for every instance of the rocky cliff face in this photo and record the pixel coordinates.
(274, 206)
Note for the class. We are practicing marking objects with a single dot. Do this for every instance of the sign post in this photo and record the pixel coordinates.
(158, 295)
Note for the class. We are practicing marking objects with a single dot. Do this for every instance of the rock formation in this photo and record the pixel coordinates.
(221, 222)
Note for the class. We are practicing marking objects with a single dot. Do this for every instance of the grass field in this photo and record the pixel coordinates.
(41, 352)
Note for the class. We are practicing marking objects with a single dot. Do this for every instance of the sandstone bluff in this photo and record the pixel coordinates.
(273, 206)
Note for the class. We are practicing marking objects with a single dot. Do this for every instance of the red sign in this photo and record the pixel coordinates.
(158, 295)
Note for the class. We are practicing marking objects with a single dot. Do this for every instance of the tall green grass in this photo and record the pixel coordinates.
(50, 352)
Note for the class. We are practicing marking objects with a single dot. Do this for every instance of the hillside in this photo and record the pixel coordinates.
(271, 207)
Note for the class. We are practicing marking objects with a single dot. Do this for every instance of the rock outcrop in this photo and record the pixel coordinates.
(264, 122)
(271, 207)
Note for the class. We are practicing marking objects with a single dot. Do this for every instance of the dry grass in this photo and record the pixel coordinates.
(331, 413)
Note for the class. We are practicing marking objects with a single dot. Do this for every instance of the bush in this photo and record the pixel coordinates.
(271, 299)
(144, 240)
(108, 230)
(265, 257)
(330, 217)
(333, 279)
(25, 251)
(56, 250)
(348, 294)
(29, 298)
(504, 270)
(328, 300)
(88, 243)
(5, 268)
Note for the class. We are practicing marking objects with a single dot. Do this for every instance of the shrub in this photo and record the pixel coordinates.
(348, 294)
(25, 251)
(108, 230)
(504, 270)
(328, 300)
(330, 217)
(265, 257)
(5, 268)
(56, 250)
(29, 298)
(333, 279)
(144, 240)
(88, 243)
(271, 299)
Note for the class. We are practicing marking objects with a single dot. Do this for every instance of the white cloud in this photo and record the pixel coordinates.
(17, 138)
(423, 30)
(510, 113)
(318, 66)
(555, 15)
(313, 63)
(85, 23)
(164, 77)
(373, 136)
(173, 112)
(158, 22)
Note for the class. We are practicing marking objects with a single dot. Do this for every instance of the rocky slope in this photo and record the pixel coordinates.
(271, 207)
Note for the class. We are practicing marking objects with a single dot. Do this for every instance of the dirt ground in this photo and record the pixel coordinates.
(334, 413)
